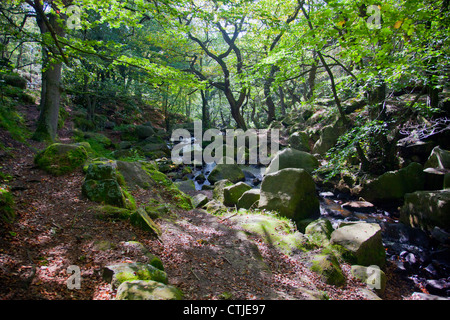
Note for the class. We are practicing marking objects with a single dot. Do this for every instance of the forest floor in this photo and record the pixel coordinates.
(205, 256)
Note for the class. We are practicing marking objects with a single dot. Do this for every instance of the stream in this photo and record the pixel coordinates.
(418, 256)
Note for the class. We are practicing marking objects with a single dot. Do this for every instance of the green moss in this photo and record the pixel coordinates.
(60, 159)
(7, 213)
(109, 212)
(327, 266)
(274, 230)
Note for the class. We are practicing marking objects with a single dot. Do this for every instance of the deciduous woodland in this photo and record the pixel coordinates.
(352, 96)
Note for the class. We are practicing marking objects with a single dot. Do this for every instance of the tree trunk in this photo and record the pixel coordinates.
(47, 123)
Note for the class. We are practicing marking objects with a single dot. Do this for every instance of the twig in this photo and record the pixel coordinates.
(195, 274)
(229, 217)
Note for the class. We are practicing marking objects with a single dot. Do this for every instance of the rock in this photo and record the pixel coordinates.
(14, 80)
(111, 213)
(119, 273)
(104, 191)
(393, 185)
(319, 231)
(185, 186)
(438, 159)
(143, 132)
(218, 189)
(360, 206)
(425, 296)
(427, 209)
(373, 276)
(249, 198)
(155, 150)
(440, 235)
(141, 219)
(434, 178)
(101, 185)
(291, 193)
(232, 193)
(363, 243)
(153, 260)
(147, 290)
(59, 158)
(215, 207)
(327, 266)
(102, 170)
(135, 175)
(299, 141)
(328, 138)
(438, 287)
(291, 158)
(231, 172)
(199, 200)
(279, 233)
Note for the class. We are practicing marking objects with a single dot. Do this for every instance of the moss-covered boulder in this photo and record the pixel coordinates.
(278, 232)
(292, 158)
(249, 198)
(199, 200)
(141, 219)
(232, 193)
(319, 231)
(327, 266)
(102, 185)
(219, 186)
(231, 172)
(299, 141)
(59, 158)
(134, 175)
(393, 185)
(291, 193)
(111, 213)
(147, 290)
(362, 243)
(119, 273)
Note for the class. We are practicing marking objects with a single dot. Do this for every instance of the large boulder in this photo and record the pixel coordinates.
(231, 172)
(328, 138)
(327, 266)
(147, 290)
(135, 175)
(60, 158)
(101, 185)
(393, 185)
(219, 186)
(291, 158)
(438, 159)
(144, 131)
(362, 243)
(427, 209)
(319, 231)
(290, 192)
(249, 198)
(232, 193)
(299, 141)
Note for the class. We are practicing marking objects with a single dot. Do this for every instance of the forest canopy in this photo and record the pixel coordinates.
(233, 63)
